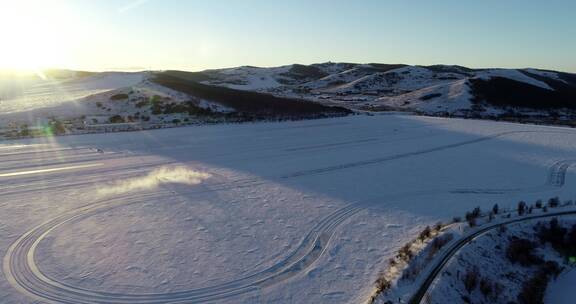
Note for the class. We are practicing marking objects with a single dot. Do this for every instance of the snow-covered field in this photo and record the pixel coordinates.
(294, 212)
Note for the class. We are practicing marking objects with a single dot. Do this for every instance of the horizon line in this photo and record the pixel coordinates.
(137, 69)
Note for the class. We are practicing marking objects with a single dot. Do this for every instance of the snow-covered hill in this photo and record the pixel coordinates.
(286, 92)
(18, 94)
(439, 89)
(85, 102)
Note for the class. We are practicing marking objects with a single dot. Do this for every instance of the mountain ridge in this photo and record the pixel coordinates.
(408, 87)
(173, 97)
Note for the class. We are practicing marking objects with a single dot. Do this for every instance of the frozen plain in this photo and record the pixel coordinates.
(292, 212)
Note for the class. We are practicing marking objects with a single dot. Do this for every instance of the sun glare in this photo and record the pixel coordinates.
(35, 35)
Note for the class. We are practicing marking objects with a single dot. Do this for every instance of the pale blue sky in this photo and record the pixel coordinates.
(194, 35)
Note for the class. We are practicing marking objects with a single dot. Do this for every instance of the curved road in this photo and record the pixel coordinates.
(24, 274)
(419, 295)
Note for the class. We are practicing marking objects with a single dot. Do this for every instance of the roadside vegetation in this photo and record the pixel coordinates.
(413, 260)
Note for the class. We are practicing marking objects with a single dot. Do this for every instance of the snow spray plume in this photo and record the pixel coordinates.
(163, 175)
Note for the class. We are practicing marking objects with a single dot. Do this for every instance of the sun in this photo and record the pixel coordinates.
(34, 35)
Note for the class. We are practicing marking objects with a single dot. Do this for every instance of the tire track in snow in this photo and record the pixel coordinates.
(556, 179)
(407, 154)
(22, 272)
(557, 176)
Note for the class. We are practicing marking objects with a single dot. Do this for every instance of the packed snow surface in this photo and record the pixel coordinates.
(292, 212)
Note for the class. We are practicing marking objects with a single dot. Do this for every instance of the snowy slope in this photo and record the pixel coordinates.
(561, 290)
(377, 86)
(249, 78)
(270, 79)
(73, 99)
(140, 98)
(48, 93)
(515, 75)
(450, 97)
(489, 254)
(536, 95)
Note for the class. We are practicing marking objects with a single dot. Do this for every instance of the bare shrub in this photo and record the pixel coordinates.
(425, 234)
(476, 212)
(438, 226)
(439, 242)
(538, 204)
(405, 254)
(491, 216)
(552, 233)
(502, 229)
(382, 284)
(553, 202)
(470, 279)
(534, 289)
(497, 291)
(521, 207)
(472, 214)
(521, 251)
(411, 273)
(486, 287)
